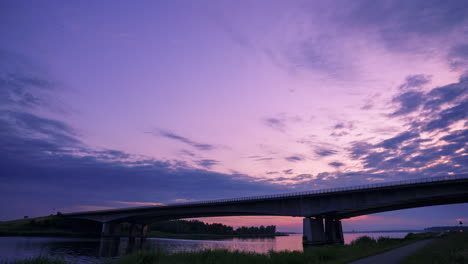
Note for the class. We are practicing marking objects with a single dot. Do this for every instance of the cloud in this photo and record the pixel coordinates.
(275, 123)
(138, 203)
(400, 24)
(458, 57)
(440, 96)
(396, 141)
(336, 164)
(199, 146)
(448, 117)
(415, 81)
(324, 152)
(206, 163)
(408, 102)
(294, 158)
(280, 122)
(260, 158)
(344, 125)
(342, 129)
(23, 88)
(359, 149)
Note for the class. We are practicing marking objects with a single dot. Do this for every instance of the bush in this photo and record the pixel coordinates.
(364, 240)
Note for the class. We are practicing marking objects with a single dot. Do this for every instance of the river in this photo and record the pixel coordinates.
(87, 251)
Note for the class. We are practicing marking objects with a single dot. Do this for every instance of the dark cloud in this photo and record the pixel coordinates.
(446, 94)
(458, 57)
(342, 129)
(359, 149)
(281, 121)
(294, 158)
(288, 171)
(206, 163)
(275, 123)
(173, 136)
(336, 164)
(415, 81)
(187, 153)
(395, 142)
(399, 23)
(408, 102)
(344, 125)
(21, 84)
(448, 117)
(323, 152)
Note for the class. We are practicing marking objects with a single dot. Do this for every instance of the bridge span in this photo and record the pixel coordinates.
(322, 210)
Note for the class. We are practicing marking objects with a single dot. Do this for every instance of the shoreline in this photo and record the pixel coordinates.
(152, 234)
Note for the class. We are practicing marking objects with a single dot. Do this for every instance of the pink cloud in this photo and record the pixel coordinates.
(138, 203)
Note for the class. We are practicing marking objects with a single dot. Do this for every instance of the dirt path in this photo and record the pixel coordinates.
(393, 256)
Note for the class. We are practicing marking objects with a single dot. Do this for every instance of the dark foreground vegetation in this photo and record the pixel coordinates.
(54, 225)
(451, 248)
(333, 254)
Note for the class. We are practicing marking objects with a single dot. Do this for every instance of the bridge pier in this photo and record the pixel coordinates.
(313, 231)
(333, 231)
(144, 230)
(110, 229)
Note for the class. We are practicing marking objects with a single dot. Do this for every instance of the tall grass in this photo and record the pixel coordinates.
(450, 249)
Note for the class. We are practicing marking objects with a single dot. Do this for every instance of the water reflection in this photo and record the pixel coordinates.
(81, 250)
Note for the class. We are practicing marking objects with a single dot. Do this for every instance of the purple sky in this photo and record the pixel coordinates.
(108, 104)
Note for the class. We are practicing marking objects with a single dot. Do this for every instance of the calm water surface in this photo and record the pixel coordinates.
(83, 250)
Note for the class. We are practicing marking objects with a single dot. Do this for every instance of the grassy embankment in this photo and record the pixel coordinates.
(333, 254)
(39, 226)
(451, 248)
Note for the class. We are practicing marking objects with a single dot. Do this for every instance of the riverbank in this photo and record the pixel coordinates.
(331, 254)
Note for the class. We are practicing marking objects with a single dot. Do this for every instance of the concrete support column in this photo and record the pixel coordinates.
(110, 229)
(313, 232)
(339, 230)
(106, 229)
(144, 230)
(333, 231)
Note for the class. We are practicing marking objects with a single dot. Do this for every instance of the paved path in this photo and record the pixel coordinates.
(393, 256)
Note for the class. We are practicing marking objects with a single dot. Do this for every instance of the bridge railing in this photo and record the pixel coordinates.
(332, 190)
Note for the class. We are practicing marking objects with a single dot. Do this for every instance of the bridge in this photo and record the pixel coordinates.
(322, 210)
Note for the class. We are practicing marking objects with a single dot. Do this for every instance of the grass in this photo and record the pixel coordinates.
(452, 248)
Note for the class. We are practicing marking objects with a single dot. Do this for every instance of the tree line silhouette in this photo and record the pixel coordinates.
(198, 227)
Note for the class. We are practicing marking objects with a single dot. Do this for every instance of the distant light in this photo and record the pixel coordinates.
(461, 230)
